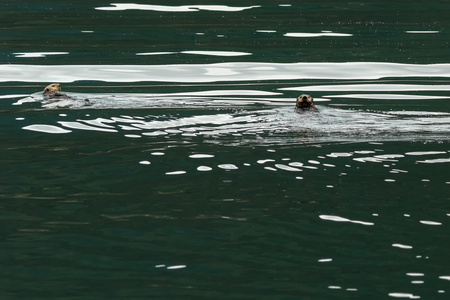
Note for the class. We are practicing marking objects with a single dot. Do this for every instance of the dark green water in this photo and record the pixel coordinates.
(190, 176)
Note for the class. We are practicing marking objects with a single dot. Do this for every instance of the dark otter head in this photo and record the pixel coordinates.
(305, 102)
(52, 89)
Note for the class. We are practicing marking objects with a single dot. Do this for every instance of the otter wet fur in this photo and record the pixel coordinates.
(305, 103)
(52, 91)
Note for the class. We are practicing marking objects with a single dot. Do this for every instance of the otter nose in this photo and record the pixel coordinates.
(304, 98)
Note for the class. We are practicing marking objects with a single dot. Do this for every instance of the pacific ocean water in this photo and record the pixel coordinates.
(189, 175)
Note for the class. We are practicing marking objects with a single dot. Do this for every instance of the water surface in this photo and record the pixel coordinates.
(190, 175)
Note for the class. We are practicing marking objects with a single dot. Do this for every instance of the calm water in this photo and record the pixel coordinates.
(190, 176)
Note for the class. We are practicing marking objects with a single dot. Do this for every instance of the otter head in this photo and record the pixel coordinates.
(304, 102)
(52, 89)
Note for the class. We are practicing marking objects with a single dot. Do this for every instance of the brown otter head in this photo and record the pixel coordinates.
(305, 102)
(52, 89)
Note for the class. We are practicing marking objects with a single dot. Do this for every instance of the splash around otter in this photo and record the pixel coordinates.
(305, 103)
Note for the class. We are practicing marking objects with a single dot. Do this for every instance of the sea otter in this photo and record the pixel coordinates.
(53, 90)
(305, 103)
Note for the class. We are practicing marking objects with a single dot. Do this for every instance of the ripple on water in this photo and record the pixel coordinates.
(404, 295)
(169, 8)
(228, 167)
(223, 72)
(287, 168)
(176, 173)
(341, 219)
(46, 128)
(158, 153)
(402, 246)
(201, 156)
(319, 34)
(204, 168)
(432, 223)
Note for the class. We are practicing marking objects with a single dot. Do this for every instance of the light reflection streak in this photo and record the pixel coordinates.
(404, 295)
(312, 35)
(231, 71)
(341, 219)
(167, 8)
(364, 87)
(388, 96)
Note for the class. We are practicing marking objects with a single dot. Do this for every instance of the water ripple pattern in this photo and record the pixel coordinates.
(178, 167)
(231, 71)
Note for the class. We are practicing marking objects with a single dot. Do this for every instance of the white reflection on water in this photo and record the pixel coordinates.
(415, 274)
(422, 31)
(37, 54)
(402, 246)
(201, 156)
(217, 53)
(387, 87)
(341, 219)
(156, 53)
(176, 173)
(388, 96)
(432, 223)
(266, 31)
(81, 126)
(320, 34)
(271, 125)
(167, 8)
(419, 153)
(12, 96)
(404, 295)
(231, 71)
(210, 53)
(46, 128)
(435, 161)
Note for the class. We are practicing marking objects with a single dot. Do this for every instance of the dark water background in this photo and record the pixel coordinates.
(190, 176)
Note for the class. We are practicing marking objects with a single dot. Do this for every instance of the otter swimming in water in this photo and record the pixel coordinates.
(305, 103)
(53, 90)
